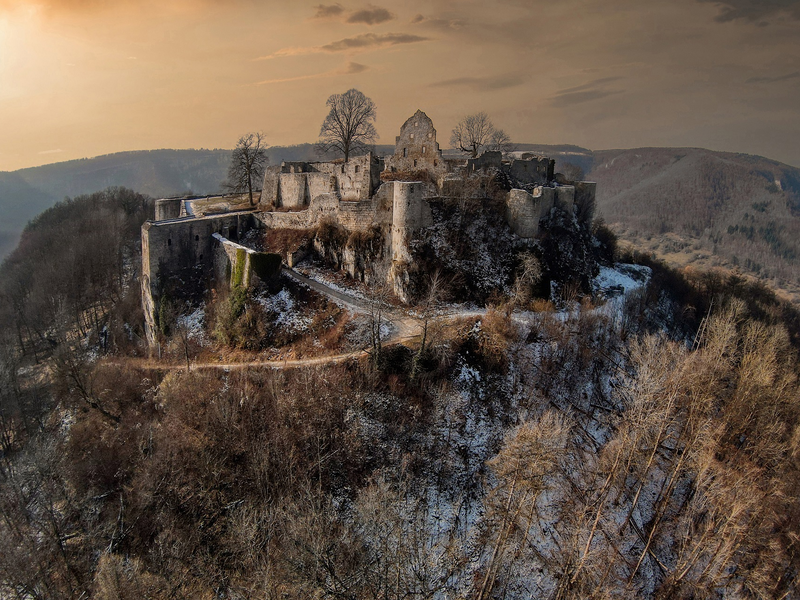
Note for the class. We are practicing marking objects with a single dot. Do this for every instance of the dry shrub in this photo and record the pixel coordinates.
(330, 233)
(328, 328)
(412, 175)
(119, 578)
(286, 240)
(541, 305)
(368, 242)
(488, 338)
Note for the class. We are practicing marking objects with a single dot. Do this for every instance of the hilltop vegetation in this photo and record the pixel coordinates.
(645, 447)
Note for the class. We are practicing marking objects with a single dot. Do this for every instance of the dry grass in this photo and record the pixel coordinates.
(286, 240)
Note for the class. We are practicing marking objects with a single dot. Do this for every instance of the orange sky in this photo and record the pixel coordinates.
(80, 78)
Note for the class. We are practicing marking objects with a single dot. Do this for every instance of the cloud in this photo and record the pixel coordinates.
(794, 75)
(593, 90)
(484, 84)
(372, 40)
(327, 11)
(372, 15)
(352, 68)
(365, 41)
(51, 151)
(755, 10)
(439, 24)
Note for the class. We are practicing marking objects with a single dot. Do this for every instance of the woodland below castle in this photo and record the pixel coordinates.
(369, 215)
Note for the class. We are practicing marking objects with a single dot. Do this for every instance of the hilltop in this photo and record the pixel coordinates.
(638, 444)
(688, 205)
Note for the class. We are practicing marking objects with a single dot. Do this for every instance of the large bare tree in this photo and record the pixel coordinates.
(248, 161)
(349, 124)
(477, 131)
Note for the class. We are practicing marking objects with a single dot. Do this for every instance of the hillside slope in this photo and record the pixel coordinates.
(27, 192)
(706, 208)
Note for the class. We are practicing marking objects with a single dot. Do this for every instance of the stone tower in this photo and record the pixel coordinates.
(416, 148)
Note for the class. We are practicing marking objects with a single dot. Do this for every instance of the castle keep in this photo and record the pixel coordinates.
(187, 244)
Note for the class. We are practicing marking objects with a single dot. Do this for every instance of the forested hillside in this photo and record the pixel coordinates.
(694, 206)
(643, 445)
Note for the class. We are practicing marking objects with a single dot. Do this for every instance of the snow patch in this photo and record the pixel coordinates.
(621, 280)
(288, 315)
(194, 324)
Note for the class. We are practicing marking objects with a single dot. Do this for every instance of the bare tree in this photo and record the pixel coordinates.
(379, 294)
(528, 275)
(248, 161)
(349, 124)
(477, 131)
(501, 142)
(429, 310)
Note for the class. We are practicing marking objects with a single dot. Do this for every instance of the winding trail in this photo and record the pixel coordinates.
(406, 328)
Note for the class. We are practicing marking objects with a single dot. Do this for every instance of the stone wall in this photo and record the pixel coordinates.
(241, 262)
(491, 159)
(179, 249)
(296, 184)
(168, 208)
(524, 210)
(532, 169)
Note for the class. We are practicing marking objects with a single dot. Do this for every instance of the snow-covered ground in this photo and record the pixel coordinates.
(195, 325)
(621, 280)
(289, 317)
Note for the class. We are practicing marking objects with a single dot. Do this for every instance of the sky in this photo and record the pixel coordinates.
(80, 78)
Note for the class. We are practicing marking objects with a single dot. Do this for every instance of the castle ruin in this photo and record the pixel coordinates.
(367, 193)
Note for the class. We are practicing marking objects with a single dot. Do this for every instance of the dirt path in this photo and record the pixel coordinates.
(405, 329)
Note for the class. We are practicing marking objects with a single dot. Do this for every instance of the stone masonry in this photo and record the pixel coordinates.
(367, 192)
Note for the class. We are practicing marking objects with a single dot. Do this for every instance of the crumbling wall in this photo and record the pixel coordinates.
(532, 169)
(416, 147)
(296, 184)
(491, 159)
